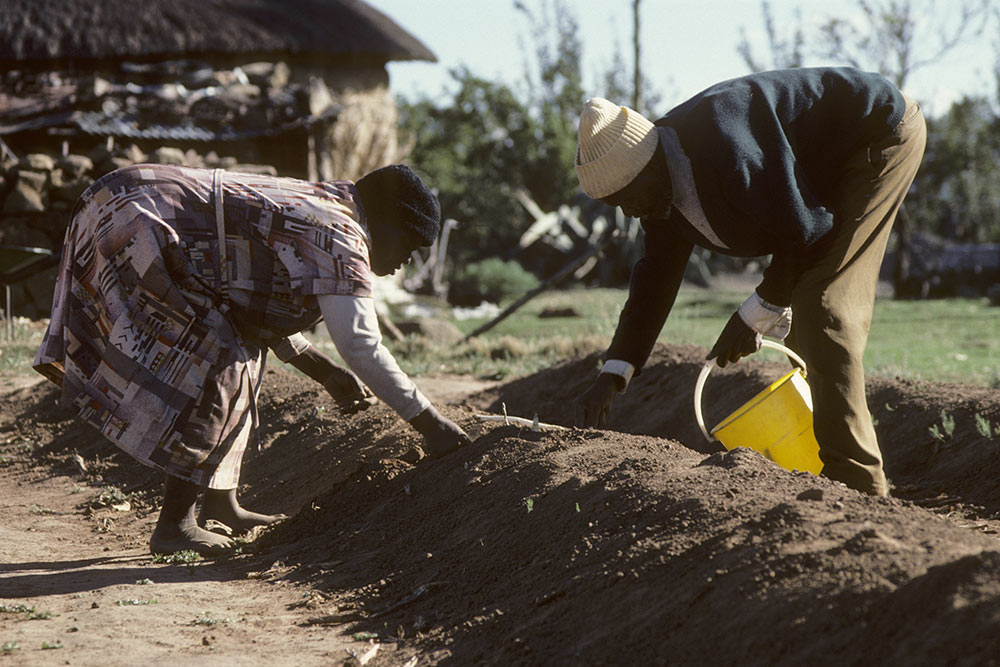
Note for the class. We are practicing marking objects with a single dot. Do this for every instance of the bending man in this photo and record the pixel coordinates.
(806, 165)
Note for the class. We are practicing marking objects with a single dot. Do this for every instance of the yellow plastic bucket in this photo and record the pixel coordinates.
(777, 422)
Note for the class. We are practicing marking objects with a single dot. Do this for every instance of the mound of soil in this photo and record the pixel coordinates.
(637, 544)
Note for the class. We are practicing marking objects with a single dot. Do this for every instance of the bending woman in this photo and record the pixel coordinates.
(174, 283)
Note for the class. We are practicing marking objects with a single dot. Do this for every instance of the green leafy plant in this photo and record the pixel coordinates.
(493, 279)
(9, 647)
(985, 428)
(132, 602)
(47, 646)
(112, 496)
(208, 619)
(178, 557)
(30, 612)
(945, 431)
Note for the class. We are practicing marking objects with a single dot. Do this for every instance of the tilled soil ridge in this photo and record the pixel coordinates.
(637, 544)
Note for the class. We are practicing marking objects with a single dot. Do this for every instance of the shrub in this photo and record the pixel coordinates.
(492, 279)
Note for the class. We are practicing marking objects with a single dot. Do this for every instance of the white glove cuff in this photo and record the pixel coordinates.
(623, 369)
(766, 318)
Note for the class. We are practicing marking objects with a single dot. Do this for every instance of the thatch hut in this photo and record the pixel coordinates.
(295, 87)
(335, 51)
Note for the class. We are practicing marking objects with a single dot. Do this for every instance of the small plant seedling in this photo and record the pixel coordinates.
(530, 503)
(9, 647)
(946, 430)
(15, 608)
(983, 426)
(30, 612)
(143, 582)
(178, 557)
(208, 619)
(948, 422)
(132, 602)
(47, 646)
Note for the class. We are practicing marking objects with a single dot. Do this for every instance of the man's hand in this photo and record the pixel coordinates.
(736, 341)
(593, 406)
(441, 435)
(350, 394)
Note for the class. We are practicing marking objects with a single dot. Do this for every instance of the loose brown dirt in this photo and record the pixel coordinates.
(641, 544)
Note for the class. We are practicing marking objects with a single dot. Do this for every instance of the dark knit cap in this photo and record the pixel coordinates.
(396, 194)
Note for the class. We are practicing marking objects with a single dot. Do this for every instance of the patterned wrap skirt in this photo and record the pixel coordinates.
(150, 344)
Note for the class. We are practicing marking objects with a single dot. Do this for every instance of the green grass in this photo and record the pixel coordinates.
(944, 340)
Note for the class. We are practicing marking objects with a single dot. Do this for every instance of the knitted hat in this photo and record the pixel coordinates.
(615, 143)
(396, 194)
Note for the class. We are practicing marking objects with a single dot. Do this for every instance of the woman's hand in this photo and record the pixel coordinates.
(350, 394)
(441, 436)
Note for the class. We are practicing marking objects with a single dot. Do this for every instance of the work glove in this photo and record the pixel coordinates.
(742, 335)
(593, 406)
(349, 393)
(736, 341)
(441, 435)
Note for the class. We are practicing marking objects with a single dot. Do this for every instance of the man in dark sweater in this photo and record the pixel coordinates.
(806, 165)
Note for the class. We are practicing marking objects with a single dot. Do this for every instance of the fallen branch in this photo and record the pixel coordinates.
(534, 424)
(561, 275)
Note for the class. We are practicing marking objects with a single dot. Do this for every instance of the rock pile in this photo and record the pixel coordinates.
(38, 191)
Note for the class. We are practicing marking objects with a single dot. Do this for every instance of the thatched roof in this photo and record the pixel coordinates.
(36, 32)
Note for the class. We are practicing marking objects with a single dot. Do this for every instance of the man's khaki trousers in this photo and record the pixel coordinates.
(832, 303)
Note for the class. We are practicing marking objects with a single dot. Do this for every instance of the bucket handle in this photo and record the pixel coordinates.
(699, 386)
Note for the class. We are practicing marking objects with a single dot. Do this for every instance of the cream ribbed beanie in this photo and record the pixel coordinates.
(615, 143)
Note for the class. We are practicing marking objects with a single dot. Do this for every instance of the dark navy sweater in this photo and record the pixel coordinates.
(766, 153)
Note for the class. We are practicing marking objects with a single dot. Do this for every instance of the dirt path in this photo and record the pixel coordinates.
(80, 581)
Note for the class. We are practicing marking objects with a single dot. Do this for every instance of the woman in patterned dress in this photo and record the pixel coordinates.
(174, 283)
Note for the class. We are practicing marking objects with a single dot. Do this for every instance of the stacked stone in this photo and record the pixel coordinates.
(38, 191)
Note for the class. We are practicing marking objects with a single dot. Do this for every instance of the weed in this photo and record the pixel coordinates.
(14, 608)
(9, 647)
(208, 619)
(30, 612)
(143, 582)
(112, 496)
(132, 602)
(983, 426)
(946, 430)
(38, 509)
(530, 503)
(948, 422)
(47, 646)
(178, 557)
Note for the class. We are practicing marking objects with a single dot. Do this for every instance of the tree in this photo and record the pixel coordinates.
(785, 51)
(958, 195)
(895, 38)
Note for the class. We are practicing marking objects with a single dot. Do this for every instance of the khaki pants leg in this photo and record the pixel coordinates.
(832, 304)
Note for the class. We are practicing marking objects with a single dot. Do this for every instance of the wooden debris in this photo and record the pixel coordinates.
(533, 424)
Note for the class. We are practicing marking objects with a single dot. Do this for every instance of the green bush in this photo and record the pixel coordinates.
(492, 280)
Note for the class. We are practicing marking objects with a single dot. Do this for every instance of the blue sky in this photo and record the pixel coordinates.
(687, 44)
